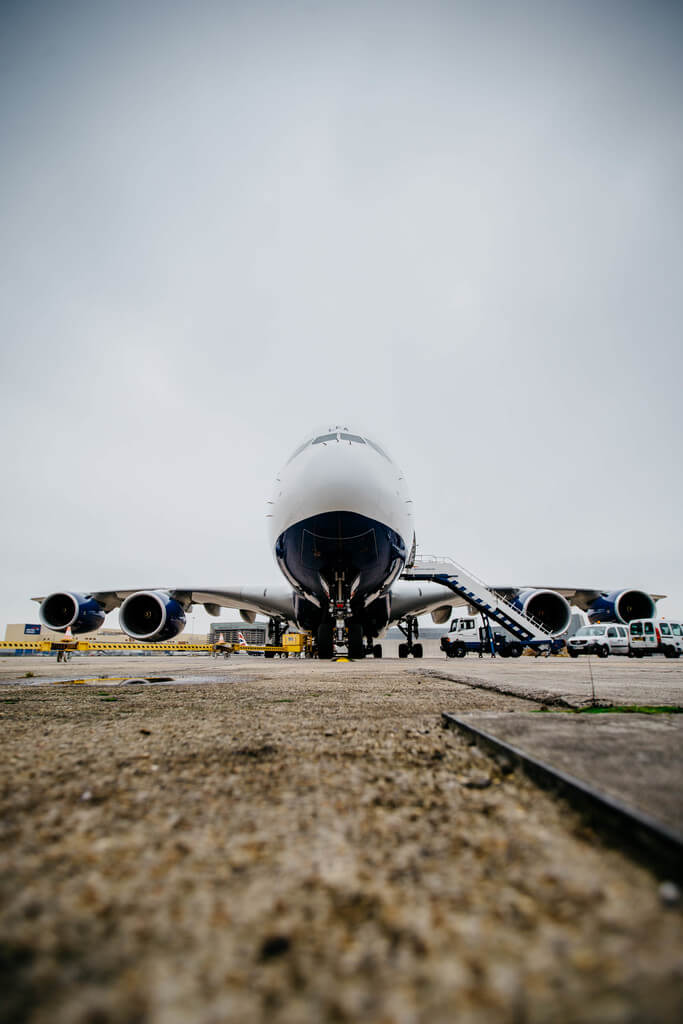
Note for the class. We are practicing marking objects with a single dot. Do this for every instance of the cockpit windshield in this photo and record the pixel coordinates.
(338, 435)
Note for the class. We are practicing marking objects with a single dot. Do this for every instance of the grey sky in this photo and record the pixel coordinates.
(455, 225)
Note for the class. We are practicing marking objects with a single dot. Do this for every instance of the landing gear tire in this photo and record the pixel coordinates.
(325, 641)
(515, 650)
(602, 651)
(403, 650)
(417, 650)
(356, 649)
(377, 651)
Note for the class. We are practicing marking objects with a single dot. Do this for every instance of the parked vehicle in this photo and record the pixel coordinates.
(655, 636)
(468, 635)
(602, 639)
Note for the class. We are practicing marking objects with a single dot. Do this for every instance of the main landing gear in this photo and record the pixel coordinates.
(276, 627)
(355, 644)
(408, 627)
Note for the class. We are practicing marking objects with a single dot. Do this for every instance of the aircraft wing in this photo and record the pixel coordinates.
(250, 600)
(581, 597)
(409, 598)
(417, 598)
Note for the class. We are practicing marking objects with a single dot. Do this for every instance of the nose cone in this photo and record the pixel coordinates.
(333, 474)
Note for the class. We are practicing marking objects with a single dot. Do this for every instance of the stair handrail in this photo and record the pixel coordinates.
(446, 559)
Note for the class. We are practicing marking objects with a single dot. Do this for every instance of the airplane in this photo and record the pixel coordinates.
(342, 532)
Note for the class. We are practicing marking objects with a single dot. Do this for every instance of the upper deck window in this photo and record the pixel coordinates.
(352, 437)
(324, 438)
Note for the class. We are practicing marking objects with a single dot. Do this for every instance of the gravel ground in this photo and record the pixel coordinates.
(305, 845)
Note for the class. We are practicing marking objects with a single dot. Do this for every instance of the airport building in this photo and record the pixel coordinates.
(253, 633)
(26, 632)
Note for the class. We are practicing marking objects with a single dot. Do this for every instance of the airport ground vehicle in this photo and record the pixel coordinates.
(470, 635)
(602, 639)
(655, 636)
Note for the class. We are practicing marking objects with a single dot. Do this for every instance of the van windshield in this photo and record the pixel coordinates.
(592, 631)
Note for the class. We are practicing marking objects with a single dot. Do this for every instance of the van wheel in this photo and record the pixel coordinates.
(602, 651)
(671, 652)
(572, 654)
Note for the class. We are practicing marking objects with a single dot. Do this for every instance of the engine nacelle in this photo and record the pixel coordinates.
(152, 616)
(622, 606)
(80, 612)
(547, 607)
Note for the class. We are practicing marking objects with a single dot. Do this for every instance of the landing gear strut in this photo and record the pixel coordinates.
(276, 627)
(408, 627)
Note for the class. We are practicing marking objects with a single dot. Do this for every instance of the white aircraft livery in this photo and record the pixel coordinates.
(342, 532)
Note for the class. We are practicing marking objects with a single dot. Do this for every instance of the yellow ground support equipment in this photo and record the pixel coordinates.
(292, 643)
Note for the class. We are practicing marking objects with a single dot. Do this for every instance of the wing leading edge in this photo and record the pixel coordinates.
(252, 600)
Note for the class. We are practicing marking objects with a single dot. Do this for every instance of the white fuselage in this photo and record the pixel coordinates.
(341, 524)
(341, 476)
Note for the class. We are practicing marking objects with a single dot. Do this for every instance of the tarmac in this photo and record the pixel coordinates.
(296, 841)
(636, 759)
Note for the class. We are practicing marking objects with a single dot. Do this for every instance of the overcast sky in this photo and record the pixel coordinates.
(457, 227)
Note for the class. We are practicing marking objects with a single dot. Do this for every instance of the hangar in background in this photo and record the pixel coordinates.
(253, 633)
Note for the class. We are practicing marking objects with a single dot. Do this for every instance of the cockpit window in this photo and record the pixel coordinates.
(352, 437)
(377, 449)
(324, 438)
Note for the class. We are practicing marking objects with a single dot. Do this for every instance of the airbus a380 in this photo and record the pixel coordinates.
(342, 531)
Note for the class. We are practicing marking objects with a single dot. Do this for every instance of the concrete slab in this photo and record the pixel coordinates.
(615, 680)
(635, 759)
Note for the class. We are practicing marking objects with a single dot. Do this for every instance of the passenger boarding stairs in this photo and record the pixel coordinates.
(475, 592)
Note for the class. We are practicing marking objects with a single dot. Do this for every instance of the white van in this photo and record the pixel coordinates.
(655, 636)
(602, 639)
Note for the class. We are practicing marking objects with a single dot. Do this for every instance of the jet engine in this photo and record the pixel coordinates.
(547, 607)
(622, 606)
(62, 610)
(152, 616)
